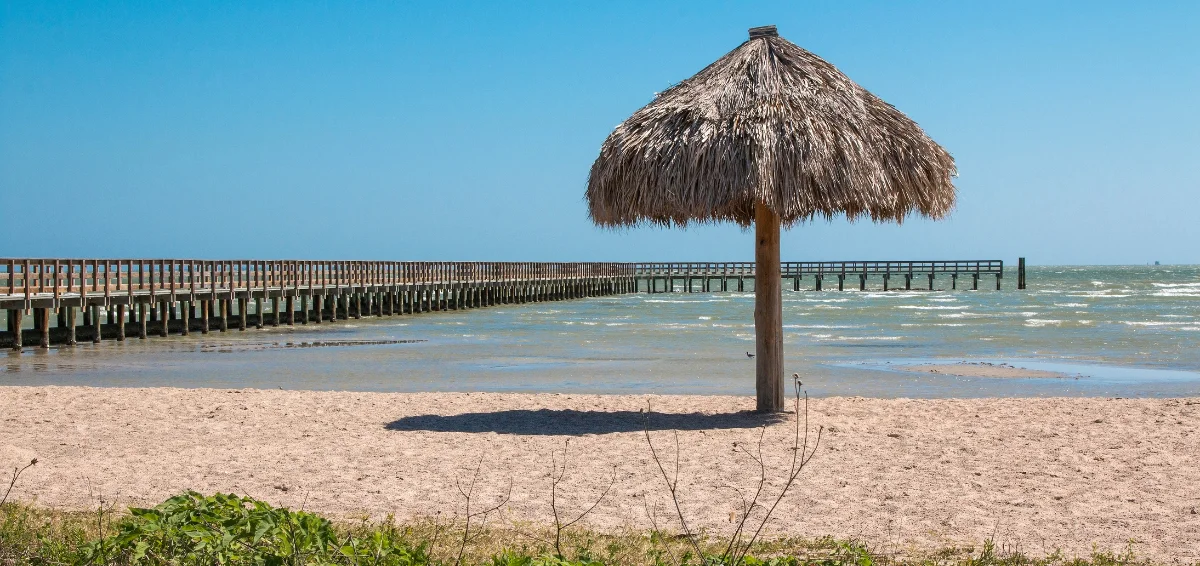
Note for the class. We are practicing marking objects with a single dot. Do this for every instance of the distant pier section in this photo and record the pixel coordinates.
(120, 298)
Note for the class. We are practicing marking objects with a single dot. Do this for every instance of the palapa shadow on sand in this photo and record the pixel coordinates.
(573, 423)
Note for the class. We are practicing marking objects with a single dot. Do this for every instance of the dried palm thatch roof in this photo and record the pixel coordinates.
(769, 122)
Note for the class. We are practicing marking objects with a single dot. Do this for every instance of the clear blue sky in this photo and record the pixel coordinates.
(465, 131)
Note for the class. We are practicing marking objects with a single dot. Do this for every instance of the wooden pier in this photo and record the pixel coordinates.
(732, 276)
(160, 297)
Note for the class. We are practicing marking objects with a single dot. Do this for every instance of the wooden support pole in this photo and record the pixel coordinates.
(1020, 273)
(142, 321)
(304, 309)
(768, 311)
(44, 326)
(70, 324)
(930, 281)
(243, 306)
(274, 311)
(120, 323)
(185, 313)
(164, 318)
(14, 318)
(291, 310)
(258, 312)
(96, 328)
(205, 315)
(223, 304)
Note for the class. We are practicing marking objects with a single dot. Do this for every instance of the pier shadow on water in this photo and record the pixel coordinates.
(570, 422)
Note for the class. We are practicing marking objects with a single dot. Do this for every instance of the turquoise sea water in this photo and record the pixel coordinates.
(1118, 331)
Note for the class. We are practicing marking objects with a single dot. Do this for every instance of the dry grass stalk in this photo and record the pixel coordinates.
(737, 547)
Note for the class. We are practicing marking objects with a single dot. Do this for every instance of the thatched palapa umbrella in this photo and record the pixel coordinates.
(769, 134)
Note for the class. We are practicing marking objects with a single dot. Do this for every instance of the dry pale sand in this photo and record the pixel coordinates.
(1035, 474)
(980, 369)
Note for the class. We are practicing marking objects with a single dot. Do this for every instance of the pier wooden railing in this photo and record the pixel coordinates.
(179, 295)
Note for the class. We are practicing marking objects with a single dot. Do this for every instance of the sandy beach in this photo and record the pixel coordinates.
(1035, 474)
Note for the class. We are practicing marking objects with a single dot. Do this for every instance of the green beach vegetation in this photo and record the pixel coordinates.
(194, 529)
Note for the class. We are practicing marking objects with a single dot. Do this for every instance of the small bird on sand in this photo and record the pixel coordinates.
(749, 355)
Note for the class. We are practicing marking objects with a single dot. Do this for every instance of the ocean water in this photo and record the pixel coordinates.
(1117, 331)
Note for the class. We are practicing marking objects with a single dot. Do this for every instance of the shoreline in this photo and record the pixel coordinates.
(1041, 473)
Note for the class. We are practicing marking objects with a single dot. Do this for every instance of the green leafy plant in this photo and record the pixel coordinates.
(232, 530)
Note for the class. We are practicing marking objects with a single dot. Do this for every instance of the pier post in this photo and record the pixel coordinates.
(975, 281)
(954, 281)
(243, 305)
(841, 282)
(120, 323)
(224, 306)
(141, 321)
(186, 313)
(14, 323)
(304, 309)
(291, 310)
(44, 322)
(907, 281)
(817, 286)
(886, 279)
(96, 328)
(258, 311)
(862, 282)
(998, 277)
(164, 318)
(70, 324)
(274, 311)
(930, 281)
(1020, 273)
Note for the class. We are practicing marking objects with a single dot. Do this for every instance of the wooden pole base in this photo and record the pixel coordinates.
(768, 311)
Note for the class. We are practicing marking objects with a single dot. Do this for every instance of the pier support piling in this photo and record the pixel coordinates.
(121, 323)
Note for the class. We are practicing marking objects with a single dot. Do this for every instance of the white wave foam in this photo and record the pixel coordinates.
(1040, 322)
(820, 326)
(932, 307)
(1071, 305)
(1152, 323)
(867, 338)
(1174, 293)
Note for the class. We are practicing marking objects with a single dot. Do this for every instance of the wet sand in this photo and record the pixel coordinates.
(1035, 474)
